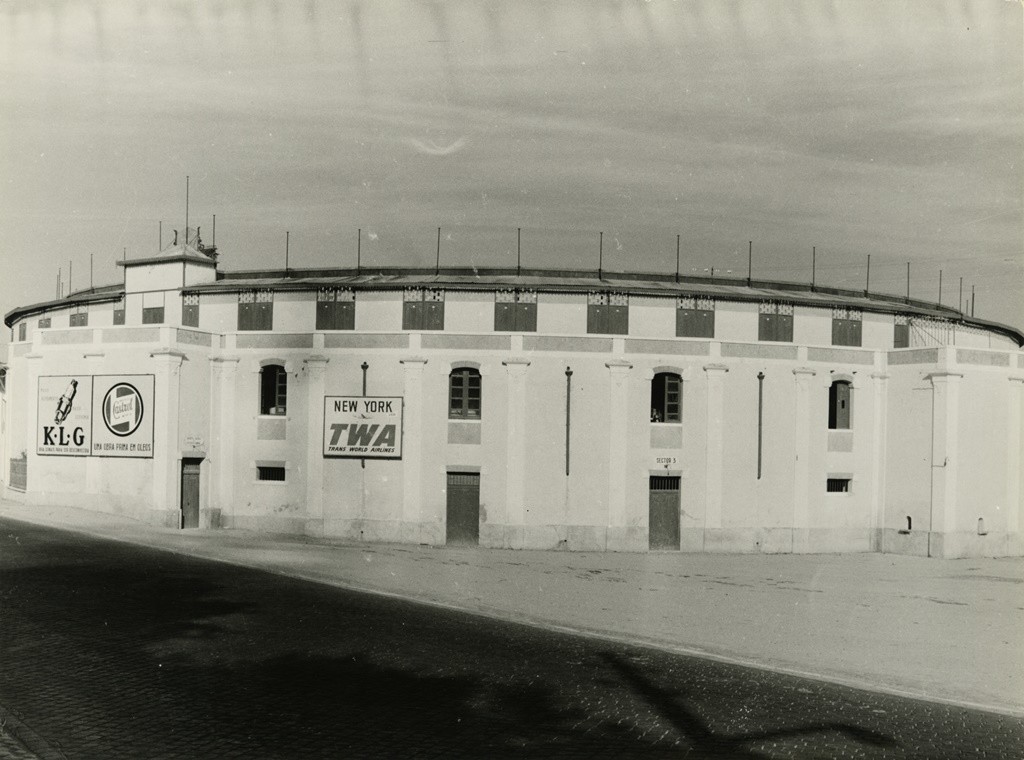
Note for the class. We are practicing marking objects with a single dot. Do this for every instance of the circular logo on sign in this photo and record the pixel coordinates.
(122, 409)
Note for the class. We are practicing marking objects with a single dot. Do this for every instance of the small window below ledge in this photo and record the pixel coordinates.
(838, 485)
(273, 473)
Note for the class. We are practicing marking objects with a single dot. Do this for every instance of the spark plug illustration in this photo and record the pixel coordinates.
(64, 403)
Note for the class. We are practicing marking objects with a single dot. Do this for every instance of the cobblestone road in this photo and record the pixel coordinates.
(113, 651)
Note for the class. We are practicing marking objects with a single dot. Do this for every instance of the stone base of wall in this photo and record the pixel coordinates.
(779, 540)
(952, 545)
(292, 526)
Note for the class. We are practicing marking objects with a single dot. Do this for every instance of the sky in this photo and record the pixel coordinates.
(855, 128)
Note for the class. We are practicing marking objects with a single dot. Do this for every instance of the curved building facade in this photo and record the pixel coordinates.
(520, 409)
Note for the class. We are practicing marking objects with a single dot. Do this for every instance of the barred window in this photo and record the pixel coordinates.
(335, 309)
(270, 472)
(775, 321)
(901, 332)
(846, 326)
(837, 485)
(667, 397)
(190, 309)
(423, 309)
(464, 394)
(515, 311)
(256, 310)
(608, 313)
(695, 317)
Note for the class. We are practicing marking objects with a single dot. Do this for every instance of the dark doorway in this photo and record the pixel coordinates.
(664, 512)
(190, 493)
(463, 512)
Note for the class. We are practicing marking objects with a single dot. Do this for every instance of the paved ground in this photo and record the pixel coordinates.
(111, 650)
(941, 629)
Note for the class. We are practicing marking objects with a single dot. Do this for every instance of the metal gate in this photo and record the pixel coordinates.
(664, 512)
(463, 509)
(190, 493)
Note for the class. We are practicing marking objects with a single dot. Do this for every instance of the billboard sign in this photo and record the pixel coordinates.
(122, 416)
(63, 422)
(365, 427)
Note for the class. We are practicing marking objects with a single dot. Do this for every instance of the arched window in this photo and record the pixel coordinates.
(667, 397)
(273, 389)
(840, 405)
(464, 394)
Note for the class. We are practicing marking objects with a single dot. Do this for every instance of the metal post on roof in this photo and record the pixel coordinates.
(437, 262)
(287, 237)
(600, 256)
(814, 264)
(214, 243)
(972, 300)
(867, 281)
(90, 271)
(940, 287)
(359, 252)
(186, 210)
(750, 261)
(519, 250)
(69, 276)
(908, 280)
(677, 258)
(960, 300)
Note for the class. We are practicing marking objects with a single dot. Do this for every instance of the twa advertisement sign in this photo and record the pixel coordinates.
(365, 427)
(122, 416)
(64, 422)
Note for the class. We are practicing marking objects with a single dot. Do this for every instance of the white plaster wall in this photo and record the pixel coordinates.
(812, 327)
(652, 317)
(561, 314)
(735, 321)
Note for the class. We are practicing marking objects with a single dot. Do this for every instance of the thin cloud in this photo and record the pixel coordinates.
(431, 148)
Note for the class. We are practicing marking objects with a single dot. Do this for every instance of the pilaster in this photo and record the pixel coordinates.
(802, 463)
(715, 374)
(412, 443)
(222, 438)
(945, 455)
(515, 480)
(166, 458)
(316, 367)
(618, 451)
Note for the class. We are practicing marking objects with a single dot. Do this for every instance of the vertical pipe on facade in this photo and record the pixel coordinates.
(364, 366)
(568, 407)
(760, 419)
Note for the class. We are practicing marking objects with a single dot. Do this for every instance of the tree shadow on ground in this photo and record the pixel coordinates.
(671, 705)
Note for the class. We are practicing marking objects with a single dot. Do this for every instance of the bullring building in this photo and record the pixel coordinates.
(521, 409)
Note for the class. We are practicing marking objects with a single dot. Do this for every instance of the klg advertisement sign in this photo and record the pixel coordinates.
(64, 422)
(367, 427)
(122, 416)
(102, 415)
